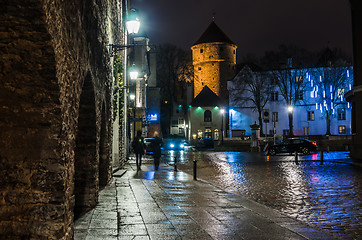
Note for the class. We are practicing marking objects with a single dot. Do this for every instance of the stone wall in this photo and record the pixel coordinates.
(55, 113)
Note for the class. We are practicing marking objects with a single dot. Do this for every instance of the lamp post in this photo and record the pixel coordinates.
(222, 111)
(132, 26)
(133, 73)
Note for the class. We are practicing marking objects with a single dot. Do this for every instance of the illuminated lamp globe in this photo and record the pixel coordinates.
(290, 108)
(133, 72)
(133, 22)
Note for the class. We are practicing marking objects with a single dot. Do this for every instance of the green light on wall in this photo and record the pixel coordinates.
(199, 108)
(216, 108)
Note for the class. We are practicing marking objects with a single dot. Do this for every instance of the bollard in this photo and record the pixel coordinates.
(328, 149)
(175, 163)
(195, 168)
(296, 156)
(346, 148)
(321, 155)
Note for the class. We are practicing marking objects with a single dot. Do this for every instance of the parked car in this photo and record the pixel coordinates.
(205, 143)
(292, 145)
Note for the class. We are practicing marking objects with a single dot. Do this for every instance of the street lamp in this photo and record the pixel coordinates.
(290, 108)
(222, 111)
(132, 26)
(133, 72)
(133, 22)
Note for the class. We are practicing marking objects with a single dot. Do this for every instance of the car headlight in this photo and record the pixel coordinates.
(172, 145)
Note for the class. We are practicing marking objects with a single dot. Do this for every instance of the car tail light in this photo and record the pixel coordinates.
(314, 143)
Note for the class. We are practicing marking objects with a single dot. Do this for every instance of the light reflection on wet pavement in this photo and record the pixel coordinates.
(327, 195)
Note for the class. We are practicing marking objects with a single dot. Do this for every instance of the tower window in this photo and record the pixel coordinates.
(199, 68)
(201, 50)
(234, 51)
(207, 116)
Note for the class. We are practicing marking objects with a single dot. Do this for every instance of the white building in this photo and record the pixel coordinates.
(321, 91)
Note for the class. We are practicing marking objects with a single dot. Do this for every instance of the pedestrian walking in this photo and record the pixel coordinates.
(156, 145)
(139, 148)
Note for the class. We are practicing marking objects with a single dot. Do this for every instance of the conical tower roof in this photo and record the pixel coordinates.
(206, 98)
(213, 34)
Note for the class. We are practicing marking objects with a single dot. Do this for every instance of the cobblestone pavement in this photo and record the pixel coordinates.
(325, 194)
(170, 205)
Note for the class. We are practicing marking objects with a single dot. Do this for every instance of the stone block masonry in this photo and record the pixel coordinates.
(55, 113)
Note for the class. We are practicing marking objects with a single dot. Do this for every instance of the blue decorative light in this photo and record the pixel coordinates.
(348, 73)
(320, 78)
(316, 106)
(350, 86)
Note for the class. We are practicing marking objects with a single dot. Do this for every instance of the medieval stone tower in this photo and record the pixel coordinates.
(214, 60)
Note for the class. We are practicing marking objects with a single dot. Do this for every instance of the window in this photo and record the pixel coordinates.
(199, 68)
(275, 117)
(310, 116)
(199, 133)
(208, 133)
(181, 121)
(174, 123)
(341, 114)
(181, 131)
(305, 130)
(340, 92)
(207, 116)
(216, 133)
(299, 95)
(274, 96)
(342, 129)
(201, 50)
(298, 79)
(274, 81)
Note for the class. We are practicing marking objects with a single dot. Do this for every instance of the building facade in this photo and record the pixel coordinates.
(320, 95)
(206, 116)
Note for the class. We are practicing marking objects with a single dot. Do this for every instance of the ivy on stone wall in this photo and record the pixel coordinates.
(118, 88)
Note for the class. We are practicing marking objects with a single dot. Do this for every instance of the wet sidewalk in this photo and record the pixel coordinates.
(171, 205)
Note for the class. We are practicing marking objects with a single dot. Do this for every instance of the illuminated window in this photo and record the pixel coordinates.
(340, 92)
(298, 79)
(342, 129)
(208, 133)
(310, 115)
(207, 116)
(216, 134)
(199, 133)
(341, 114)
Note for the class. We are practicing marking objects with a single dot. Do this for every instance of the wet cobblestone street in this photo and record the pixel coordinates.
(327, 195)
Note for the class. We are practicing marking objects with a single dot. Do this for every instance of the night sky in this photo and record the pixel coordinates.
(254, 25)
